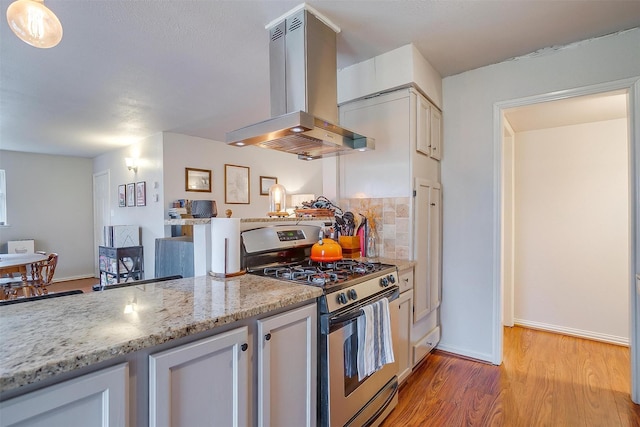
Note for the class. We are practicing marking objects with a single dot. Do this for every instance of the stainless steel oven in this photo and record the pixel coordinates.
(348, 286)
(344, 400)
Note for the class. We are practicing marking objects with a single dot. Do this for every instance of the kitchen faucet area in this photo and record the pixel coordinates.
(355, 213)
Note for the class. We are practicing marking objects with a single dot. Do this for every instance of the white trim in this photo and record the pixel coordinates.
(611, 339)
(632, 85)
(483, 357)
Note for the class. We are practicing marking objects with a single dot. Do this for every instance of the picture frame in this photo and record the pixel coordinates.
(265, 183)
(122, 195)
(141, 193)
(131, 194)
(236, 184)
(197, 180)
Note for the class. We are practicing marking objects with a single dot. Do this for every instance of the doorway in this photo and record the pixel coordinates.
(101, 213)
(503, 309)
(565, 216)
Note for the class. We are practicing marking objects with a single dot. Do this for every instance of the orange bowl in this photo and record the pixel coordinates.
(326, 250)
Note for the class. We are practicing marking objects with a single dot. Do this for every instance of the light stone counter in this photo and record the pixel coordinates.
(41, 339)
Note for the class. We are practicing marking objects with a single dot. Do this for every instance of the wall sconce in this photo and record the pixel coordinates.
(277, 200)
(132, 164)
(34, 23)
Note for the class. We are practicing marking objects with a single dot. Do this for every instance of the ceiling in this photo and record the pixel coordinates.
(128, 69)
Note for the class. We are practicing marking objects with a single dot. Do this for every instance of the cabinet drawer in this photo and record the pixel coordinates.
(423, 346)
(406, 280)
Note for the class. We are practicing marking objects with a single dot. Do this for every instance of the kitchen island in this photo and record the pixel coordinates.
(48, 341)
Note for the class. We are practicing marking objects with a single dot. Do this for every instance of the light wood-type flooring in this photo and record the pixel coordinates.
(546, 379)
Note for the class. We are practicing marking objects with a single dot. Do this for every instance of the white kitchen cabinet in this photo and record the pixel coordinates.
(203, 383)
(287, 372)
(428, 248)
(428, 128)
(96, 399)
(399, 121)
(402, 339)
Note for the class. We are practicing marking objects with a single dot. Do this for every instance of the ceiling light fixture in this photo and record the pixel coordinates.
(34, 23)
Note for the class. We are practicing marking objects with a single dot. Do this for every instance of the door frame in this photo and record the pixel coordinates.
(632, 86)
(97, 228)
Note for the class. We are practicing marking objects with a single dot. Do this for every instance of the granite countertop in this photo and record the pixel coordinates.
(196, 221)
(41, 339)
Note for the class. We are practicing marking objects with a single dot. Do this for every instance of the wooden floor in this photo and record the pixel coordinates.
(546, 379)
(69, 285)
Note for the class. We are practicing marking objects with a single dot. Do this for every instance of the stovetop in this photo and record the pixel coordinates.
(331, 276)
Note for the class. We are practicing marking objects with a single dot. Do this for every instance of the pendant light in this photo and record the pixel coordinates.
(34, 23)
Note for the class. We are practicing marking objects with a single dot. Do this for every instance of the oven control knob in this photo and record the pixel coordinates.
(384, 282)
(342, 298)
(392, 279)
(352, 294)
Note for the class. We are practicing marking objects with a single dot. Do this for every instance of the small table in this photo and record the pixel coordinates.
(17, 263)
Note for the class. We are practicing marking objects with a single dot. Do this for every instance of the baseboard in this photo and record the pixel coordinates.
(590, 335)
(483, 357)
(82, 276)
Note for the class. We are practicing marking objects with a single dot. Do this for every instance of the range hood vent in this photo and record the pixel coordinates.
(303, 82)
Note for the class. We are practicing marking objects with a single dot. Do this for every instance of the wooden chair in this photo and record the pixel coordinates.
(42, 274)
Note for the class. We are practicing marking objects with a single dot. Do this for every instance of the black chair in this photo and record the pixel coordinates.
(99, 287)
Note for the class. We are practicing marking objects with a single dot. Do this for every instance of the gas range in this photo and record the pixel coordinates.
(282, 252)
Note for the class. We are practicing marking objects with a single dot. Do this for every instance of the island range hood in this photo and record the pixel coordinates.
(304, 107)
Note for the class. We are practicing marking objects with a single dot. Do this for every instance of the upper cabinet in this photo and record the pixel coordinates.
(406, 145)
(428, 128)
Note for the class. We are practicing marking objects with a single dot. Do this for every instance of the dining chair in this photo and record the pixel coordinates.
(42, 274)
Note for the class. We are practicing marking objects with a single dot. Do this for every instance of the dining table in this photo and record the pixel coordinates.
(11, 264)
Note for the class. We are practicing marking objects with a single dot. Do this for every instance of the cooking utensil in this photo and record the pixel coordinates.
(357, 221)
(326, 250)
(350, 223)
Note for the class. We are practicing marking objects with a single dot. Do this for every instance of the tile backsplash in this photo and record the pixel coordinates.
(392, 217)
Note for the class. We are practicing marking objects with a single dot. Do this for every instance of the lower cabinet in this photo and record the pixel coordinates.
(287, 369)
(403, 337)
(200, 381)
(97, 399)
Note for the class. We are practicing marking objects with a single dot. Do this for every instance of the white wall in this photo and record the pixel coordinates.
(572, 229)
(149, 218)
(181, 151)
(468, 171)
(49, 199)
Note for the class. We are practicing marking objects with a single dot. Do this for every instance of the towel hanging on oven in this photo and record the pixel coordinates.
(375, 346)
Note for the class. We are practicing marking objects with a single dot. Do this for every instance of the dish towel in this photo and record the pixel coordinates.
(375, 346)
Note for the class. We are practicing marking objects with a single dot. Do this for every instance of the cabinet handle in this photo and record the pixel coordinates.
(267, 337)
(244, 347)
(433, 204)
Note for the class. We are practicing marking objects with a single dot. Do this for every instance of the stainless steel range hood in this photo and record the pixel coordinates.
(304, 107)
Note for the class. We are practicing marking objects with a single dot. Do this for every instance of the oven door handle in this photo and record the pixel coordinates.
(351, 315)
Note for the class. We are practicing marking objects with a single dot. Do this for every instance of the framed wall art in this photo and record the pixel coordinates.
(122, 195)
(141, 193)
(265, 183)
(131, 194)
(197, 180)
(236, 184)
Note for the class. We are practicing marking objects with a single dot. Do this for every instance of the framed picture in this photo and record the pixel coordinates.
(197, 180)
(122, 195)
(131, 194)
(236, 184)
(141, 193)
(265, 183)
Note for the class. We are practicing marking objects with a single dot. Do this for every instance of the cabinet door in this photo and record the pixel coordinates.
(97, 399)
(402, 340)
(423, 132)
(435, 138)
(435, 247)
(426, 288)
(203, 383)
(287, 368)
